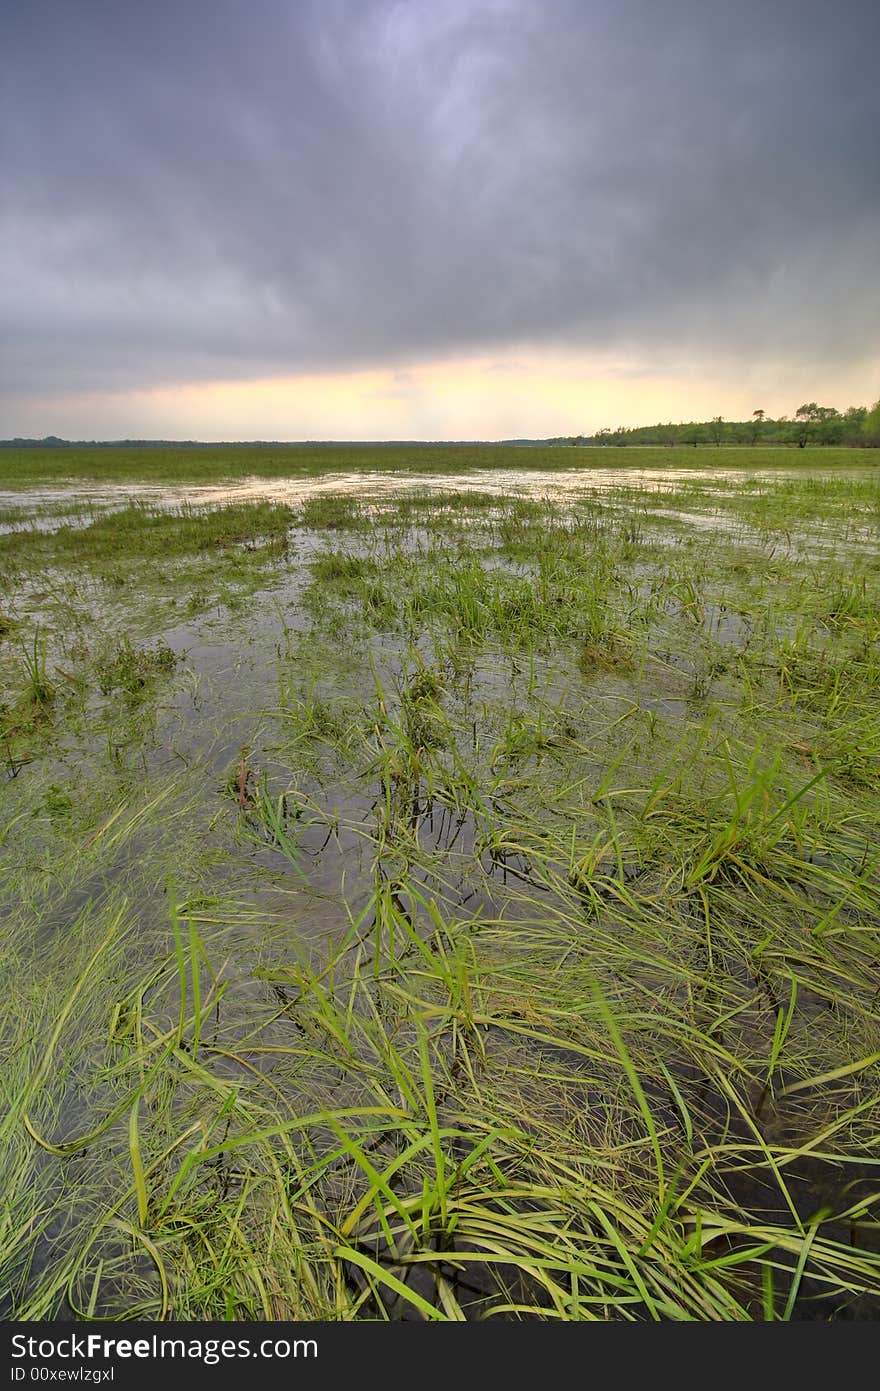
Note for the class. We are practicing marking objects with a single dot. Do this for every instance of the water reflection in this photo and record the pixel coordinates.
(528, 483)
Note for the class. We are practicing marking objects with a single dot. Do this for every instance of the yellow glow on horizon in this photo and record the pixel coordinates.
(525, 394)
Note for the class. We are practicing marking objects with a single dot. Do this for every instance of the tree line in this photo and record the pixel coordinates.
(811, 424)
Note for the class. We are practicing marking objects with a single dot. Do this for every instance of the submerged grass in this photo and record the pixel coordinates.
(24, 468)
(509, 951)
(147, 533)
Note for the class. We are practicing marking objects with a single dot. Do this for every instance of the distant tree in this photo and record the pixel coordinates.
(825, 423)
(831, 425)
(804, 415)
(811, 423)
(871, 424)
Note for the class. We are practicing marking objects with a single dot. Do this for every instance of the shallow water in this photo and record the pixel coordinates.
(228, 696)
(701, 509)
(556, 484)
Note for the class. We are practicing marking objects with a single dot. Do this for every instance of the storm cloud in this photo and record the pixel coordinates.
(211, 190)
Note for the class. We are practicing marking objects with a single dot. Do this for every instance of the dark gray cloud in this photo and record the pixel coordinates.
(210, 189)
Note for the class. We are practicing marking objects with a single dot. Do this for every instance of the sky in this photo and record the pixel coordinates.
(481, 219)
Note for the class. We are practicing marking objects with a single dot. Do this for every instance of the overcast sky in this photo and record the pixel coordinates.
(354, 218)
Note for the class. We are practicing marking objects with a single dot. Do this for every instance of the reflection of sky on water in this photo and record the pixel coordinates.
(504, 482)
(77, 503)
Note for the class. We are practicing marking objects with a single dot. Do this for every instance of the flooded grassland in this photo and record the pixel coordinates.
(430, 895)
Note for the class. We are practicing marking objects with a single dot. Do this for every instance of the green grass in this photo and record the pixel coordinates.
(84, 601)
(209, 463)
(148, 533)
(480, 922)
